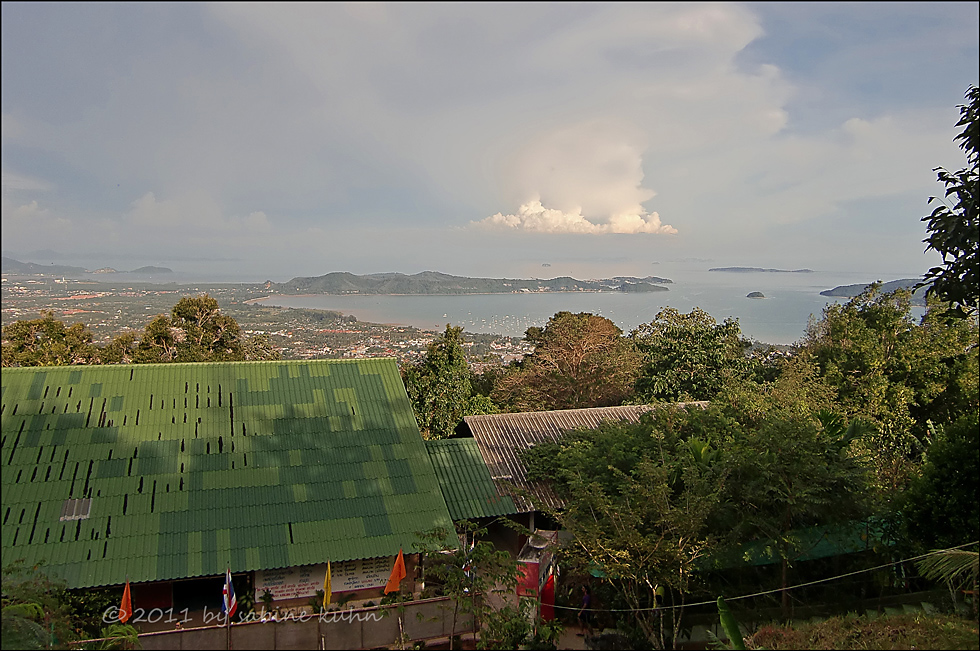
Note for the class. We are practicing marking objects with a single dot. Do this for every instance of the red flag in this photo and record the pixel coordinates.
(126, 607)
(397, 574)
(548, 599)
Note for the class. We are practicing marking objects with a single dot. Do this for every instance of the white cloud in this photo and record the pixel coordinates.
(535, 218)
(591, 177)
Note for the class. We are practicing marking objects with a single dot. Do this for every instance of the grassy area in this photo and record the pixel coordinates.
(906, 631)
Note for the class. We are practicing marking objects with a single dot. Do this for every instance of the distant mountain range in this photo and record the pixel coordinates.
(11, 266)
(433, 282)
(748, 270)
(850, 291)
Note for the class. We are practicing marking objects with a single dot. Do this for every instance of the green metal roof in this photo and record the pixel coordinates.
(194, 467)
(465, 480)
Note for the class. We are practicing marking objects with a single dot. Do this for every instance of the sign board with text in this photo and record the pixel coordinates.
(304, 581)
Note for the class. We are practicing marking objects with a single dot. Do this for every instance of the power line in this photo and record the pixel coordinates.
(765, 592)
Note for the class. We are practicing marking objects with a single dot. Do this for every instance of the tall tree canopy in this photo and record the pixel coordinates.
(954, 226)
(47, 342)
(579, 360)
(651, 504)
(439, 387)
(895, 374)
(940, 507)
(195, 331)
(688, 356)
(890, 369)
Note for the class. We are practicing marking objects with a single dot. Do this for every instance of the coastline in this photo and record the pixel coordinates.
(561, 291)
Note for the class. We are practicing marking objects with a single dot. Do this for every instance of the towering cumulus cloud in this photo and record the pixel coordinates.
(587, 178)
(533, 216)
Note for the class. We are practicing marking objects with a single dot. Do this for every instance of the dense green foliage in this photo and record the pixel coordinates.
(195, 331)
(940, 506)
(637, 506)
(897, 375)
(954, 228)
(47, 342)
(39, 613)
(688, 356)
(650, 503)
(439, 386)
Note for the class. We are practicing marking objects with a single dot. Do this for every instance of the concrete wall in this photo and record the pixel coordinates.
(350, 629)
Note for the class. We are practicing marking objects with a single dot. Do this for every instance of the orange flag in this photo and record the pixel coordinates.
(126, 607)
(397, 574)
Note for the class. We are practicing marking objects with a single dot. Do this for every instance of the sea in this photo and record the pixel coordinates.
(779, 318)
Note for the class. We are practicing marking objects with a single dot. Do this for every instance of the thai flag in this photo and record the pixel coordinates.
(229, 604)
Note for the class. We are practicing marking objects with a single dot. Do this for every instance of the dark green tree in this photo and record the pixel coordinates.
(954, 226)
(579, 360)
(688, 356)
(47, 342)
(41, 613)
(639, 499)
(439, 386)
(940, 507)
(195, 331)
(895, 374)
(788, 474)
(890, 369)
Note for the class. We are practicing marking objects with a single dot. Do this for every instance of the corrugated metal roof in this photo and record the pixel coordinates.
(191, 468)
(502, 437)
(466, 483)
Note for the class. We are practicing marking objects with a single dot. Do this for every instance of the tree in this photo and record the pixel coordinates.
(47, 342)
(579, 360)
(891, 370)
(954, 229)
(195, 331)
(688, 356)
(791, 473)
(895, 374)
(940, 506)
(39, 612)
(469, 574)
(638, 502)
(439, 386)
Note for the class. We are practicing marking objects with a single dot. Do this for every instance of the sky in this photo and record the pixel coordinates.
(279, 140)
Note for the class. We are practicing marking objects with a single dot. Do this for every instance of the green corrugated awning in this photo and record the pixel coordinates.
(192, 468)
(466, 481)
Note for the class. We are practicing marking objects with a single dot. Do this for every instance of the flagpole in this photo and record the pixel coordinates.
(229, 589)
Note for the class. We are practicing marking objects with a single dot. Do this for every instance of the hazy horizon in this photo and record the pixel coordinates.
(267, 141)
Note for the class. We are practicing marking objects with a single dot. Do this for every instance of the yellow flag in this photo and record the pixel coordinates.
(327, 587)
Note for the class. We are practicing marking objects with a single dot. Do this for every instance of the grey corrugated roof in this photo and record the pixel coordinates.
(502, 437)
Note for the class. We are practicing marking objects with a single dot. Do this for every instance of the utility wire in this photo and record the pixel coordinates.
(765, 592)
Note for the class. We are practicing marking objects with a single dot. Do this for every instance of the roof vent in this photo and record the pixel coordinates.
(76, 509)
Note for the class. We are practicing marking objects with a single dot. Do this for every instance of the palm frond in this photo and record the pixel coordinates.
(959, 567)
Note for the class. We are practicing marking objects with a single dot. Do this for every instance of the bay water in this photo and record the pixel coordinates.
(780, 318)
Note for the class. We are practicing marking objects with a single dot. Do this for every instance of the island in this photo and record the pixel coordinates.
(434, 282)
(755, 295)
(850, 291)
(11, 266)
(750, 270)
(152, 270)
